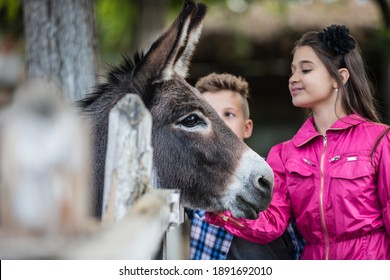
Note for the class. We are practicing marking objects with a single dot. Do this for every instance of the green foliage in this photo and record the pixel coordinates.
(115, 23)
(384, 41)
(242, 46)
(11, 18)
(11, 9)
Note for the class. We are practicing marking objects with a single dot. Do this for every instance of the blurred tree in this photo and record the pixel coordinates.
(61, 44)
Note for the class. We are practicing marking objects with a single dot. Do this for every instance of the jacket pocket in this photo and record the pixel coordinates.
(299, 173)
(300, 184)
(352, 167)
(352, 191)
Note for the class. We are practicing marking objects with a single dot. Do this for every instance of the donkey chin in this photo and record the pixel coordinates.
(250, 189)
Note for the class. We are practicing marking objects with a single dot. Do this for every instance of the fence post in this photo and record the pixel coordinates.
(128, 158)
(129, 163)
(44, 166)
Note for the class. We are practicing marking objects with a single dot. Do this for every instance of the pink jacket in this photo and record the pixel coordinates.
(336, 191)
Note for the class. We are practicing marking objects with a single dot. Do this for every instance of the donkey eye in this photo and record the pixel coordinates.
(192, 120)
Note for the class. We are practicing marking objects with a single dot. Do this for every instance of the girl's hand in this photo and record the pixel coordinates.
(223, 218)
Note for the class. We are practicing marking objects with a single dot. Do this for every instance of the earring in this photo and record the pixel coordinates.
(336, 90)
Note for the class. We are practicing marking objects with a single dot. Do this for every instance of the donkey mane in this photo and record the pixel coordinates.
(117, 80)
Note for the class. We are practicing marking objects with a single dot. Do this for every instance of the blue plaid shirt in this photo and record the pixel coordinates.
(296, 239)
(209, 242)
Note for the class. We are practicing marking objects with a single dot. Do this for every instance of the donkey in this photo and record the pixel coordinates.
(193, 150)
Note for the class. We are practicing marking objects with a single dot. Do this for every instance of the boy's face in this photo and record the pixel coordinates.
(229, 107)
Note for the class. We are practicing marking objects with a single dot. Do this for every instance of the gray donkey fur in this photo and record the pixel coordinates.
(193, 149)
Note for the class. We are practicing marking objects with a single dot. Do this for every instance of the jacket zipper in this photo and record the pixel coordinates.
(322, 211)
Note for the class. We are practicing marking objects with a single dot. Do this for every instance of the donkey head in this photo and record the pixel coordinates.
(193, 149)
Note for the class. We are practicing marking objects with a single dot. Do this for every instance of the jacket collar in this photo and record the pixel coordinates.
(307, 132)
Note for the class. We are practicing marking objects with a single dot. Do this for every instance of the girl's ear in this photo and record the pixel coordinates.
(344, 74)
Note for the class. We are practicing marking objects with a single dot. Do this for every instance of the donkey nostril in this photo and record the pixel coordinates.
(263, 182)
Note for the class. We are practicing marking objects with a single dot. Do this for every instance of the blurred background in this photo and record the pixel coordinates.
(249, 38)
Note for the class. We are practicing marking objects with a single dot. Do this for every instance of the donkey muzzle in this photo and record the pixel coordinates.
(253, 187)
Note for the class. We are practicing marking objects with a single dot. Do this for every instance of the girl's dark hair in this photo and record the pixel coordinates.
(336, 53)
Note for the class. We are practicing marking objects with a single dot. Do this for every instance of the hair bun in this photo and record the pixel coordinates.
(337, 39)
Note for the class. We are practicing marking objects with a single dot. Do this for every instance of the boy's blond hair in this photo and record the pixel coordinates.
(215, 82)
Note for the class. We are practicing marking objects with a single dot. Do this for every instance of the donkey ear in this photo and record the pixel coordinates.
(189, 38)
(170, 54)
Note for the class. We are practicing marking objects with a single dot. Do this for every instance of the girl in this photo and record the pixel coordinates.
(333, 176)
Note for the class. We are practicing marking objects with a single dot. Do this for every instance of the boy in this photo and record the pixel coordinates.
(228, 95)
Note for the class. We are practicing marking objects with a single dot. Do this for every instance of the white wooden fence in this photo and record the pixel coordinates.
(45, 192)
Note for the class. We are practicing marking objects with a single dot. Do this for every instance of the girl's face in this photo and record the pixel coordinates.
(310, 84)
